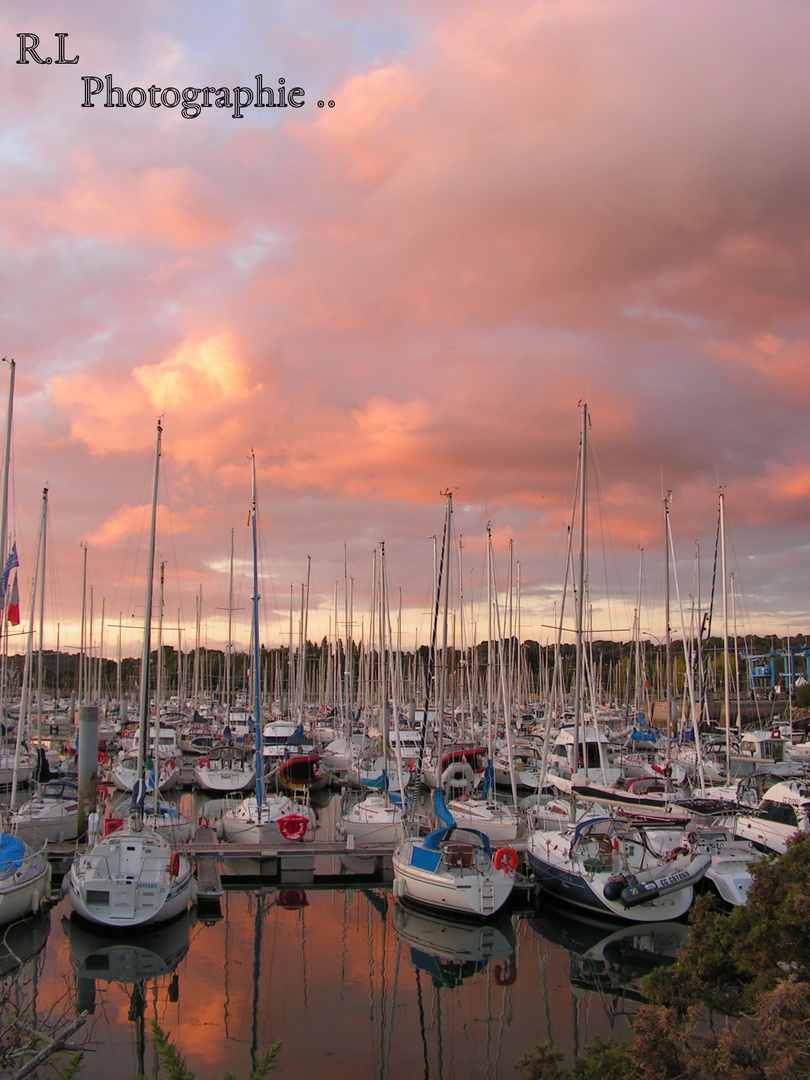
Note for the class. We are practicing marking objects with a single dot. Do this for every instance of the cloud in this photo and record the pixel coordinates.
(507, 211)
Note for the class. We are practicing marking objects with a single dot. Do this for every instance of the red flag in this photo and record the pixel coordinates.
(14, 604)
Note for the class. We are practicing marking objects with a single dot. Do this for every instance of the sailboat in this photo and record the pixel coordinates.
(132, 876)
(598, 863)
(453, 869)
(259, 818)
(482, 809)
(25, 879)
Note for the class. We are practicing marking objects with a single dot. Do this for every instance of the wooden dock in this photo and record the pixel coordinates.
(306, 864)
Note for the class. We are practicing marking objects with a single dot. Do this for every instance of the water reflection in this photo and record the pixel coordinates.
(451, 951)
(606, 965)
(607, 958)
(22, 941)
(353, 983)
(144, 960)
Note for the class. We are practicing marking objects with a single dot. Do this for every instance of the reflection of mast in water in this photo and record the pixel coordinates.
(257, 964)
(227, 1003)
(451, 953)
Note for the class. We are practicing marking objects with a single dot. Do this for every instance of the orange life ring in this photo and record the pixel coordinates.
(293, 826)
(172, 763)
(504, 974)
(203, 763)
(508, 856)
(174, 864)
(102, 793)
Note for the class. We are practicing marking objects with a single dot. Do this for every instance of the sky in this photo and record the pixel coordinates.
(499, 212)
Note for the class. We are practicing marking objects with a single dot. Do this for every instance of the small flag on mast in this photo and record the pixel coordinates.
(14, 604)
(11, 562)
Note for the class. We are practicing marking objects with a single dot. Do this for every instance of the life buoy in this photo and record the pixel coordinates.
(292, 899)
(102, 757)
(102, 793)
(507, 856)
(174, 864)
(172, 764)
(204, 763)
(293, 826)
(504, 974)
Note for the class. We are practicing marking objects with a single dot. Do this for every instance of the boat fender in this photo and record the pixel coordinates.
(613, 888)
(174, 864)
(93, 827)
(504, 974)
(508, 856)
(35, 901)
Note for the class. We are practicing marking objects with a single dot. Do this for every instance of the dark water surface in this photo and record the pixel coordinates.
(352, 982)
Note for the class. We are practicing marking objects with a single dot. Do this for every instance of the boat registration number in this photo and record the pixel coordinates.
(673, 879)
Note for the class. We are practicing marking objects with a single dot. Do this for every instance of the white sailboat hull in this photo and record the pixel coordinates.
(126, 880)
(474, 890)
(23, 886)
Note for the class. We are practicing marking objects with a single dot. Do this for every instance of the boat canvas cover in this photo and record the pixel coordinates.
(12, 853)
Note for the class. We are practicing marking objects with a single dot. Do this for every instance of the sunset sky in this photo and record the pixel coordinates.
(510, 209)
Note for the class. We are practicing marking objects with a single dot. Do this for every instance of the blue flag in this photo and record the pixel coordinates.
(11, 562)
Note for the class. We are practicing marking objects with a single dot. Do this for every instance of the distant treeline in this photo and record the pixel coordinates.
(613, 664)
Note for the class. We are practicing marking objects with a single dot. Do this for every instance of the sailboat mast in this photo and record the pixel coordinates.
(143, 713)
(6, 463)
(41, 616)
(23, 718)
(416, 778)
(257, 721)
(578, 687)
(726, 663)
(229, 646)
(668, 629)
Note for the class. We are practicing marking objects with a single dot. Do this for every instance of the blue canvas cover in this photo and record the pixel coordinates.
(12, 853)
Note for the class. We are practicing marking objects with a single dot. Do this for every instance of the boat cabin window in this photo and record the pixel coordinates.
(781, 813)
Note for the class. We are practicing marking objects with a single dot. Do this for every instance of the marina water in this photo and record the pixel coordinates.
(351, 981)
